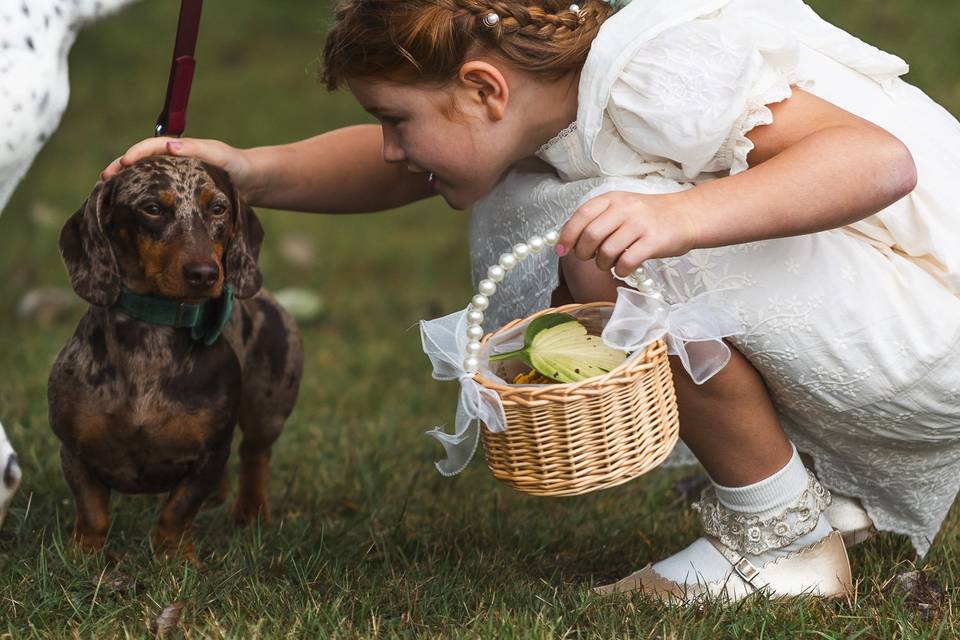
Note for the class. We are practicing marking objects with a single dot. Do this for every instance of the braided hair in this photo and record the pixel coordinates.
(428, 40)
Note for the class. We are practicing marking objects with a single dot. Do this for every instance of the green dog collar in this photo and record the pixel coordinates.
(206, 320)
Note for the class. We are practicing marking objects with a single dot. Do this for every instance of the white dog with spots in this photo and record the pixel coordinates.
(9, 473)
(35, 39)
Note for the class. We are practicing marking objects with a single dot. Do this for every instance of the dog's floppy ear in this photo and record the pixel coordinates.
(240, 259)
(87, 253)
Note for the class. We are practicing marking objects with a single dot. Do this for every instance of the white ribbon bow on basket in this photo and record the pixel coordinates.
(694, 331)
(445, 343)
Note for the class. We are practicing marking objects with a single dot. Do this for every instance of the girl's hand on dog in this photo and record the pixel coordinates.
(234, 161)
(621, 230)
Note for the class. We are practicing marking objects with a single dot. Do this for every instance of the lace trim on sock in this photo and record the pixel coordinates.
(753, 535)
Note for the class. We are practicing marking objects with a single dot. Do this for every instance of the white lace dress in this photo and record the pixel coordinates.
(856, 330)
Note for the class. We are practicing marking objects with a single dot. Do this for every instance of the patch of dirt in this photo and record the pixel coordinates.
(920, 591)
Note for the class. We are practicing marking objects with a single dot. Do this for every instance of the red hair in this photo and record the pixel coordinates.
(428, 40)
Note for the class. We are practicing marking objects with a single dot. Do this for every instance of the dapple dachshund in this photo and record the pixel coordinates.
(145, 396)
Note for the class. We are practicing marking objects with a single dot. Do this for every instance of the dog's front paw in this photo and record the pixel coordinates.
(174, 544)
(89, 541)
(10, 474)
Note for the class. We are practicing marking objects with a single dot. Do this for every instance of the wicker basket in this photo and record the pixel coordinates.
(570, 439)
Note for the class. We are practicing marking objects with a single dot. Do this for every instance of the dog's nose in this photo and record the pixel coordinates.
(201, 275)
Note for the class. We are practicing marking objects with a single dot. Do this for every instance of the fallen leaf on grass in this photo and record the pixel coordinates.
(919, 590)
(116, 582)
(168, 619)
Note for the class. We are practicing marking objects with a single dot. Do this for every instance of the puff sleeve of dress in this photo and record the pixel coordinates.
(691, 95)
(673, 87)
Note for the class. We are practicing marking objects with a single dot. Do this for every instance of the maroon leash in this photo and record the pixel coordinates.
(173, 119)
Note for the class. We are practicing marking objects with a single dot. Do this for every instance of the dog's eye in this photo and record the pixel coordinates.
(151, 209)
(218, 209)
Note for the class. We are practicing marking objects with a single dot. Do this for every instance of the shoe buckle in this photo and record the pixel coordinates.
(746, 569)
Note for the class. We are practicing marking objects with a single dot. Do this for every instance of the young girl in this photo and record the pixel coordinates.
(742, 147)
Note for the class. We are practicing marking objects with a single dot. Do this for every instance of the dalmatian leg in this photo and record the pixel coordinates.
(9, 474)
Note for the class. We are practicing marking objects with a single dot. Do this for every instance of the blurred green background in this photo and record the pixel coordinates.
(367, 539)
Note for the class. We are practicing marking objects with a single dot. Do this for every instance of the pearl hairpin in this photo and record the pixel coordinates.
(491, 19)
(496, 273)
(574, 8)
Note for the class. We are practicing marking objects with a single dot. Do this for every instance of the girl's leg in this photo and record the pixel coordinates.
(729, 422)
(762, 505)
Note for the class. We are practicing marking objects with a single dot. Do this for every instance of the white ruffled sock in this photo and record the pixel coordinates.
(701, 562)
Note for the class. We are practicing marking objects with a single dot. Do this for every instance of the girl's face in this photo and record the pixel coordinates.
(444, 131)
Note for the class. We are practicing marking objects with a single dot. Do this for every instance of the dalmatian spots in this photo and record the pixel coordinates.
(35, 40)
(9, 474)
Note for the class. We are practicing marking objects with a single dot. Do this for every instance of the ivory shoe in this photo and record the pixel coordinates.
(820, 570)
(849, 518)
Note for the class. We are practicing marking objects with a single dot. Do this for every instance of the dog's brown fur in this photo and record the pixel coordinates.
(141, 408)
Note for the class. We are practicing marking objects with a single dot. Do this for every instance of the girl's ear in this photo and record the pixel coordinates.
(487, 87)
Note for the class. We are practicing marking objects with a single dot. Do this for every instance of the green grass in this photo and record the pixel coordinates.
(367, 540)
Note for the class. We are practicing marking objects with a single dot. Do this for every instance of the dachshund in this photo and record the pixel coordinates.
(145, 396)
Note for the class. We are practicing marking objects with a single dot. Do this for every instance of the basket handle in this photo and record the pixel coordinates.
(487, 287)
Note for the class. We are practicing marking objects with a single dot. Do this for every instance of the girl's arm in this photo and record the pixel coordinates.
(816, 167)
(341, 171)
